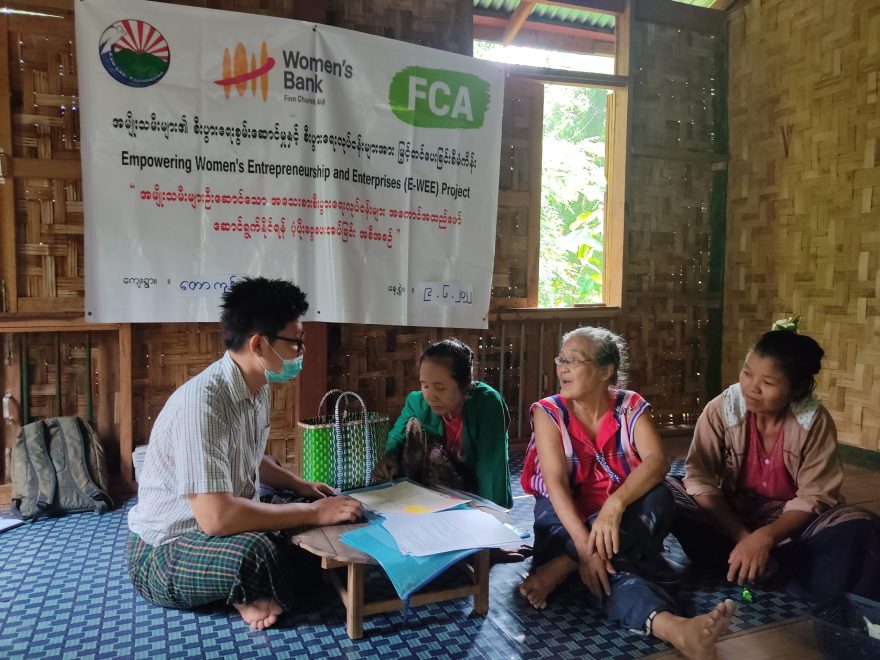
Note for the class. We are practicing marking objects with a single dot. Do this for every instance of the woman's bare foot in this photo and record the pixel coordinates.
(695, 638)
(260, 614)
(540, 584)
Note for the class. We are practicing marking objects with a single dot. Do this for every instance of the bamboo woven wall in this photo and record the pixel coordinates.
(804, 212)
(175, 352)
(672, 261)
(48, 205)
(48, 251)
(443, 24)
(67, 373)
(672, 249)
(668, 266)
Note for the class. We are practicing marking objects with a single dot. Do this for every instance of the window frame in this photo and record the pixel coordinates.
(617, 139)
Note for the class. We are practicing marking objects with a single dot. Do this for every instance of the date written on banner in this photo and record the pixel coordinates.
(445, 293)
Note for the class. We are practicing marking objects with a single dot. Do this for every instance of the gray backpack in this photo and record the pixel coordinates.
(58, 467)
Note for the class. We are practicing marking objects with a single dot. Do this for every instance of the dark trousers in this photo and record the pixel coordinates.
(643, 527)
(840, 558)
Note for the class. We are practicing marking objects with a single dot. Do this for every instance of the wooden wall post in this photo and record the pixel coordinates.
(126, 426)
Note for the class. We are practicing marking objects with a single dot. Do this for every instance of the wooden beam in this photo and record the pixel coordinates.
(687, 155)
(545, 74)
(533, 231)
(51, 305)
(617, 166)
(554, 314)
(126, 425)
(14, 325)
(466, 28)
(596, 6)
(622, 44)
(517, 19)
(315, 369)
(615, 196)
(41, 6)
(7, 189)
(46, 169)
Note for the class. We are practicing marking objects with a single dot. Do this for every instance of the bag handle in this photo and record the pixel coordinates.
(338, 436)
(321, 412)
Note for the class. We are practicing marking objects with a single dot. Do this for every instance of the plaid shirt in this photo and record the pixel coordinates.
(209, 438)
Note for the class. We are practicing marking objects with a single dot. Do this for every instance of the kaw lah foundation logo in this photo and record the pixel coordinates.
(134, 53)
(241, 71)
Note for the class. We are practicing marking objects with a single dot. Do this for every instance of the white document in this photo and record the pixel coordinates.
(405, 498)
(445, 531)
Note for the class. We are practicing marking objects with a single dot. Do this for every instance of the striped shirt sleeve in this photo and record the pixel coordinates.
(202, 450)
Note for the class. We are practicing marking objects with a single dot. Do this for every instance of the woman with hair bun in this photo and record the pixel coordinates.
(452, 431)
(761, 492)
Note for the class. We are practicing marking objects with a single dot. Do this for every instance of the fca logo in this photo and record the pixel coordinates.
(237, 72)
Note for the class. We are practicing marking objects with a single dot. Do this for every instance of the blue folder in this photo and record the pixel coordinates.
(408, 574)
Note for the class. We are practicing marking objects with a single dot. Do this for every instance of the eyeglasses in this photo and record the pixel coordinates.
(570, 362)
(298, 343)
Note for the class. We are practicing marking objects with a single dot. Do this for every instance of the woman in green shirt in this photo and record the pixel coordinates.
(452, 432)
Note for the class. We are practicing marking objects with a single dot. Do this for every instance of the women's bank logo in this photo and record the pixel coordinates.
(241, 72)
(134, 53)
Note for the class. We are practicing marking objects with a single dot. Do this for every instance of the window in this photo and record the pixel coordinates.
(573, 189)
(581, 209)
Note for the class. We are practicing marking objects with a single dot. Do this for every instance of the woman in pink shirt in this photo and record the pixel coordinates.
(595, 466)
(761, 492)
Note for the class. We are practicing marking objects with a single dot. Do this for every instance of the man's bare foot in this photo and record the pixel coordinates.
(540, 584)
(260, 614)
(695, 638)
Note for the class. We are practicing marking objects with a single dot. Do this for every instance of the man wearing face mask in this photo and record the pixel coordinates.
(199, 533)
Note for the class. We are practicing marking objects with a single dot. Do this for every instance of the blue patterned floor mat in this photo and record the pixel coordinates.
(64, 593)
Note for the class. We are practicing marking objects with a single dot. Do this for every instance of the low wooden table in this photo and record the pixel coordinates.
(335, 554)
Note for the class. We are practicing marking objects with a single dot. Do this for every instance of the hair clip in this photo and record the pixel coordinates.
(786, 325)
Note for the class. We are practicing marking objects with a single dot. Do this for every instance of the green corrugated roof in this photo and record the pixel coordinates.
(579, 18)
(569, 17)
(547, 14)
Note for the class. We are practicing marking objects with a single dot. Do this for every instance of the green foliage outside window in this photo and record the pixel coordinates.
(572, 178)
(572, 196)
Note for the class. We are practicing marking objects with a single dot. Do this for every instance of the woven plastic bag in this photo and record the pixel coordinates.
(341, 449)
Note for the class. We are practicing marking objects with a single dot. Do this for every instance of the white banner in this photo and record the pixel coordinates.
(218, 145)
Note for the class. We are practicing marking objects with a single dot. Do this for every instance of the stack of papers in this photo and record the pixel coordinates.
(404, 497)
(448, 531)
(417, 533)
